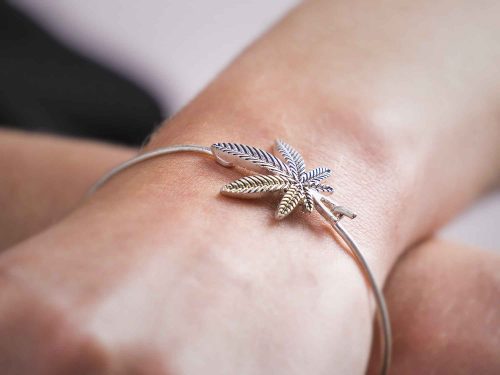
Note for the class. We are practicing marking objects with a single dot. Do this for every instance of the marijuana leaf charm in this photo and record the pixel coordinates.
(288, 176)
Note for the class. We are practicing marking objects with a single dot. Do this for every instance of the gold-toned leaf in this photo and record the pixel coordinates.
(308, 201)
(290, 200)
(256, 184)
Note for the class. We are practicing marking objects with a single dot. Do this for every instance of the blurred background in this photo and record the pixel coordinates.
(112, 70)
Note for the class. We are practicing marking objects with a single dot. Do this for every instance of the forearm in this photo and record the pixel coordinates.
(44, 178)
(444, 303)
(355, 86)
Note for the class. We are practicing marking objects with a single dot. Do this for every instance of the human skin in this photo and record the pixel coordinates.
(442, 296)
(158, 273)
(443, 299)
(45, 177)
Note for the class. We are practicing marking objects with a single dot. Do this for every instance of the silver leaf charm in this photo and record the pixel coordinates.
(288, 175)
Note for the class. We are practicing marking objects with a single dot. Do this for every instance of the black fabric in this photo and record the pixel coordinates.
(44, 86)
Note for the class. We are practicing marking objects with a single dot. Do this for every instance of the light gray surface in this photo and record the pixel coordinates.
(176, 47)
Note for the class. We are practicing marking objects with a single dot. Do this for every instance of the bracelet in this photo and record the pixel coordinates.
(287, 176)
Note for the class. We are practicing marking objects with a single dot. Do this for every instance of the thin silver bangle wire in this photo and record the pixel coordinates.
(384, 323)
(146, 156)
(382, 312)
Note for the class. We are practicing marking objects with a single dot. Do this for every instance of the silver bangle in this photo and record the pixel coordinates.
(286, 175)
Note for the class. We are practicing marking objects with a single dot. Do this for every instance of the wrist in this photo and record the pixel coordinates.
(364, 162)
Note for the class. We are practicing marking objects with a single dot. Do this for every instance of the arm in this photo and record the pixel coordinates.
(321, 79)
(442, 296)
(444, 303)
(44, 178)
